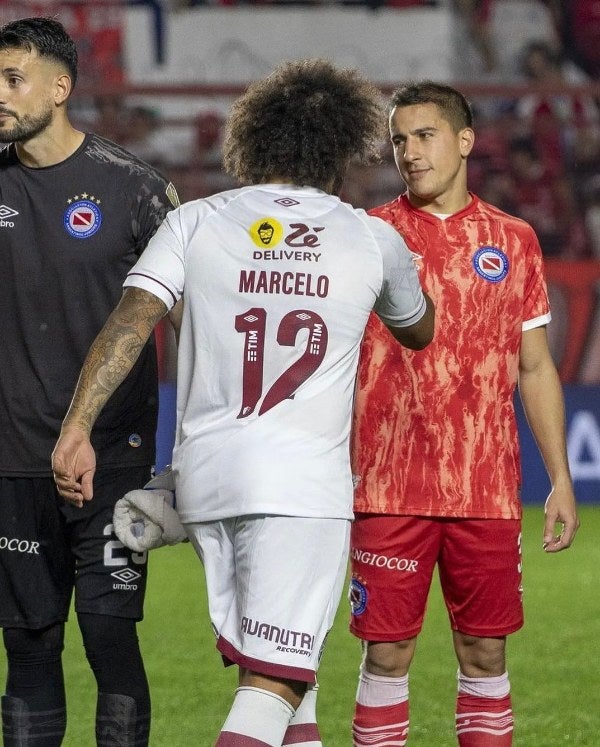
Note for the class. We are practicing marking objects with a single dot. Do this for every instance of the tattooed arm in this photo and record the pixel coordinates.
(109, 360)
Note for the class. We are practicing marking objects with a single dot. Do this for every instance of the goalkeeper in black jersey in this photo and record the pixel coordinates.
(76, 211)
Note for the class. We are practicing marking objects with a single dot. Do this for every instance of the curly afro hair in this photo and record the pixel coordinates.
(304, 123)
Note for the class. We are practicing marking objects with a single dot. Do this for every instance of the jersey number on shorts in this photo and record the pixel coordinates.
(253, 324)
(115, 552)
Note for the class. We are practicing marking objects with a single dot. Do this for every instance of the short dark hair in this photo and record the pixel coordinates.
(305, 122)
(453, 106)
(46, 35)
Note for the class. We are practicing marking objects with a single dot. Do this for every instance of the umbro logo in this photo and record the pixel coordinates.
(126, 575)
(127, 579)
(5, 213)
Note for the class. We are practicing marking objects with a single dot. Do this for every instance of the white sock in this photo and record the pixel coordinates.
(259, 714)
(375, 691)
(484, 687)
(303, 726)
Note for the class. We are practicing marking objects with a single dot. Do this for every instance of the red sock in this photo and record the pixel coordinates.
(374, 726)
(484, 722)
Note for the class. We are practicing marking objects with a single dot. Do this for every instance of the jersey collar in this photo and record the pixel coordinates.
(429, 217)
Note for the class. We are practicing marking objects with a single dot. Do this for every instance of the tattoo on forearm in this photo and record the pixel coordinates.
(113, 354)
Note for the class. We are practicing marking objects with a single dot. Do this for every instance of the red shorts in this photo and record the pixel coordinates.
(393, 559)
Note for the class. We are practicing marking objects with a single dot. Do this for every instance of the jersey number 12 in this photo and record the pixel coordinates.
(253, 324)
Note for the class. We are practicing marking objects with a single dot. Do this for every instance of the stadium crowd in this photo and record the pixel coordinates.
(537, 152)
(536, 156)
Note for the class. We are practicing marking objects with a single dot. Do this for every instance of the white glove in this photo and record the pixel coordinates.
(145, 518)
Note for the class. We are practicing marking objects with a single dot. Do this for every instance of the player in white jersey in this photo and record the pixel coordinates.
(278, 280)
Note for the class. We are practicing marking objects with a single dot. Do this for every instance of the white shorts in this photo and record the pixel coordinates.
(274, 585)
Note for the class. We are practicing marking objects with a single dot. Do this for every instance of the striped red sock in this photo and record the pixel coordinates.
(484, 722)
(381, 725)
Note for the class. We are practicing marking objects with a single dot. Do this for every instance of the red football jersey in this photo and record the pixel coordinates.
(434, 430)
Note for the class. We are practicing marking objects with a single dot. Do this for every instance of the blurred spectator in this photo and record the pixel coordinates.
(543, 61)
(142, 136)
(592, 214)
(490, 150)
(207, 156)
(476, 15)
(110, 117)
(558, 119)
(498, 188)
(547, 201)
(209, 137)
(143, 131)
(577, 25)
(585, 162)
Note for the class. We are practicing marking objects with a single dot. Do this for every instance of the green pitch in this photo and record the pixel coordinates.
(554, 661)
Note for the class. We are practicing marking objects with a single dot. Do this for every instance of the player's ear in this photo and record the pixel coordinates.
(466, 138)
(62, 88)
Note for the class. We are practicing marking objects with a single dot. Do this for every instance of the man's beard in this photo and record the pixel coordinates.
(27, 127)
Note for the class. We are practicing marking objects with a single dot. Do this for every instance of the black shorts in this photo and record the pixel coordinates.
(48, 548)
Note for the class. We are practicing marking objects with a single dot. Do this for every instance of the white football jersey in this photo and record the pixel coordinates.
(278, 282)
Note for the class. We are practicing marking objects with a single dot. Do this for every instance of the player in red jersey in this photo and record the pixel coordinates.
(435, 450)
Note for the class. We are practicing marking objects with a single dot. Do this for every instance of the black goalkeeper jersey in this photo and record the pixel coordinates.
(68, 235)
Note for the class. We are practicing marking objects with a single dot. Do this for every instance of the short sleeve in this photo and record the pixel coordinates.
(536, 306)
(160, 269)
(401, 302)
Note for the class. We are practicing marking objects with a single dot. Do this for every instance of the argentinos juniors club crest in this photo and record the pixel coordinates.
(491, 264)
(82, 217)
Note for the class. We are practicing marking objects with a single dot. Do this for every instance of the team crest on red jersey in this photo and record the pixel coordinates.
(82, 218)
(491, 264)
